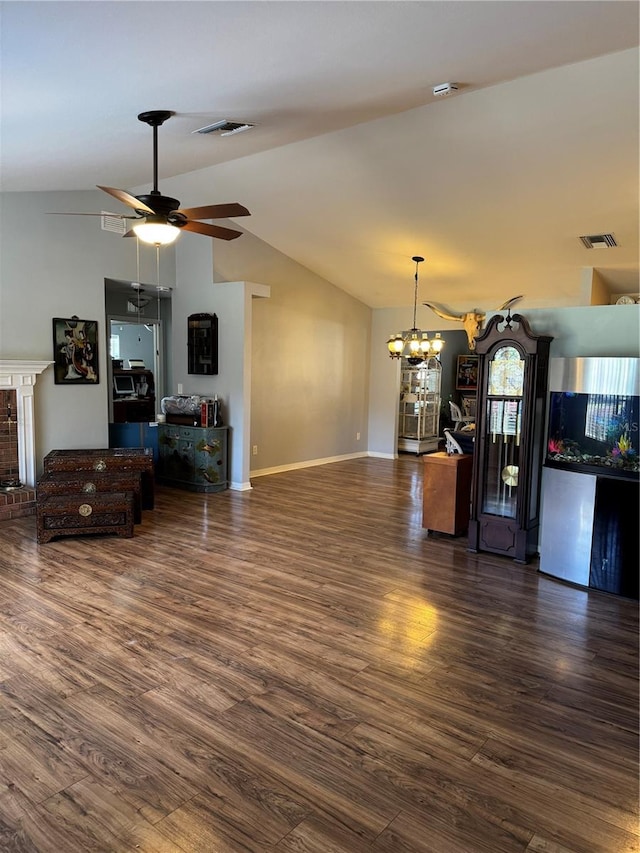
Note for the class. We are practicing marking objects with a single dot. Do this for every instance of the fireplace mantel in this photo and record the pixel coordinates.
(21, 375)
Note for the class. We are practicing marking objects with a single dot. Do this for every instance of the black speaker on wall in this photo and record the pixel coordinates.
(202, 344)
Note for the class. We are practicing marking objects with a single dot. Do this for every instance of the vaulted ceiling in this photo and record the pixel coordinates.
(353, 165)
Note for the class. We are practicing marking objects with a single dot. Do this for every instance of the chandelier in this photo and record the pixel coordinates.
(415, 344)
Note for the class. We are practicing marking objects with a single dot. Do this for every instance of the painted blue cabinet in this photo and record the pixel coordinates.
(193, 458)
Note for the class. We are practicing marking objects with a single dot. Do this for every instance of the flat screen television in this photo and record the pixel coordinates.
(123, 386)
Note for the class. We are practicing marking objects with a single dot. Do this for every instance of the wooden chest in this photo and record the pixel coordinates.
(90, 482)
(77, 514)
(446, 493)
(139, 459)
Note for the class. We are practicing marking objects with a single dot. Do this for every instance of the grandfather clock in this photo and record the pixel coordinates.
(513, 366)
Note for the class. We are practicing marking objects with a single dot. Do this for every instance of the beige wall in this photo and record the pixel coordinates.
(310, 359)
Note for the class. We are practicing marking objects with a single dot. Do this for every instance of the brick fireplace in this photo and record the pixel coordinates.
(9, 467)
(17, 436)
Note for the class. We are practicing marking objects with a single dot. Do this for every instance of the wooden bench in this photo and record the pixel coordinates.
(79, 514)
(108, 460)
(91, 482)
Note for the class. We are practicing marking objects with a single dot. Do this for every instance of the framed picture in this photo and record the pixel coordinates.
(467, 373)
(75, 351)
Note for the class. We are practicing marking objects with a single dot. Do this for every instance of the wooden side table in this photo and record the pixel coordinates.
(446, 492)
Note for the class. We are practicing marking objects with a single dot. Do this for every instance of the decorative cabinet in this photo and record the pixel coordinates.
(419, 407)
(193, 458)
(202, 344)
(512, 384)
(446, 488)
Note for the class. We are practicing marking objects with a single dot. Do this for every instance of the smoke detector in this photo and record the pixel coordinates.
(225, 127)
(445, 89)
(598, 241)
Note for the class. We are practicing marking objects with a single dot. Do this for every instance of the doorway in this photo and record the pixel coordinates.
(138, 320)
(135, 346)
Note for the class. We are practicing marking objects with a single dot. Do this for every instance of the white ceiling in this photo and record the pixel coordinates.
(353, 165)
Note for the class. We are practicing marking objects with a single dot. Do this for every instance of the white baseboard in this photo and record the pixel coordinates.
(240, 487)
(310, 463)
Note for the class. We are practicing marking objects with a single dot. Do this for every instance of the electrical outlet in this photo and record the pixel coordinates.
(357, 436)
(254, 450)
(179, 387)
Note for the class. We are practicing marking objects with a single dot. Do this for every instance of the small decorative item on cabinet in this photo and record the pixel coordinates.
(193, 458)
(202, 344)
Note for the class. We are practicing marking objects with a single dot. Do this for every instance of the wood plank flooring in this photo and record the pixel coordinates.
(302, 669)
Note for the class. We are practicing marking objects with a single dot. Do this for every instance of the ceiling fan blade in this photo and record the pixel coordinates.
(215, 211)
(126, 198)
(211, 230)
(114, 215)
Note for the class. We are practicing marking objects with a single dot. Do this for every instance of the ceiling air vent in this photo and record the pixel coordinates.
(598, 241)
(225, 127)
(113, 222)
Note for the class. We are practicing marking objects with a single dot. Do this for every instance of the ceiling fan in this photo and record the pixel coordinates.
(159, 218)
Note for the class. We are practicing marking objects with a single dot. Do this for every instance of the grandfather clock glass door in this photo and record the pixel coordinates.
(512, 383)
(504, 425)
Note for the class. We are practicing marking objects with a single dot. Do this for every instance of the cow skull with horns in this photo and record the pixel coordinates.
(472, 320)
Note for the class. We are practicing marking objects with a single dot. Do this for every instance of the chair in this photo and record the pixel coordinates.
(459, 420)
(459, 443)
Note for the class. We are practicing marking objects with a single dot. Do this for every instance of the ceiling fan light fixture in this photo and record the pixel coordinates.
(156, 233)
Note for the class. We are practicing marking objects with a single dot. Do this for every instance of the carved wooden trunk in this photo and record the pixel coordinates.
(91, 482)
(77, 514)
(137, 459)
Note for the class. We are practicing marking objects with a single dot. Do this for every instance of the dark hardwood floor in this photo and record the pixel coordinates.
(301, 668)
